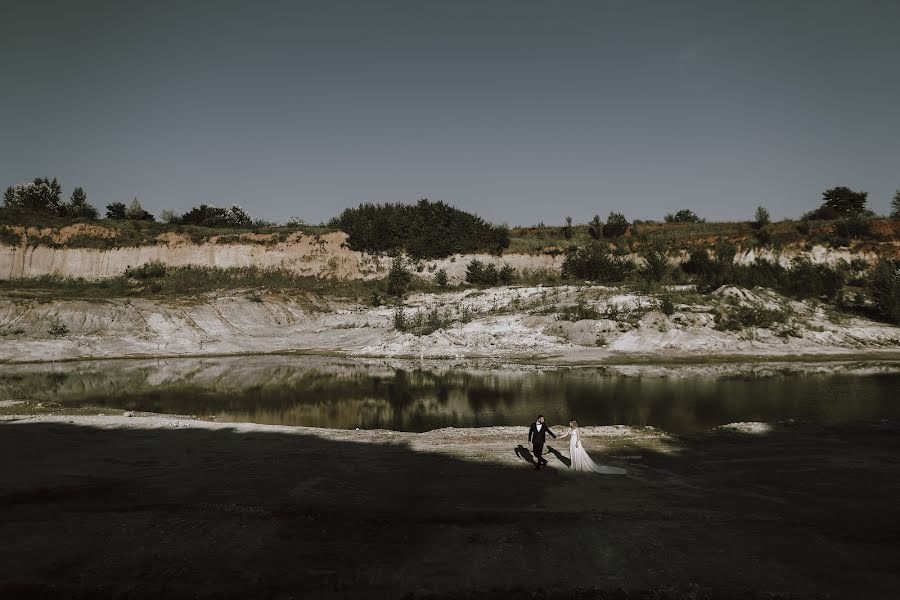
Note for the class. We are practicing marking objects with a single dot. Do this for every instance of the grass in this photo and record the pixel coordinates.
(186, 282)
(125, 234)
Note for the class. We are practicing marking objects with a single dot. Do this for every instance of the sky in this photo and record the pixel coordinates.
(522, 111)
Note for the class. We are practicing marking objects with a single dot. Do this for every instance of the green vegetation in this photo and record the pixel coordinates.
(594, 262)
(683, 216)
(841, 202)
(422, 322)
(423, 230)
(440, 278)
(191, 282)
(884, 289)
(398, 278)
(616, 225)
(736, 317)
(478, 273)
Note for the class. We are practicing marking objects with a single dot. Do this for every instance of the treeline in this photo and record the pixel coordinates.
(423, 230)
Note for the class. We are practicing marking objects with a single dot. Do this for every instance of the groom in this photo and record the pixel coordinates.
(537, 434)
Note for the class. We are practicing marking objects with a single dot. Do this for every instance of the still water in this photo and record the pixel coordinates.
(329, 392)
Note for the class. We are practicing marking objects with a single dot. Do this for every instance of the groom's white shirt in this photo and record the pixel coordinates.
(538, 426)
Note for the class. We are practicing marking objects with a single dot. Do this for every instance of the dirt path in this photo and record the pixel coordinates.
(166, 507)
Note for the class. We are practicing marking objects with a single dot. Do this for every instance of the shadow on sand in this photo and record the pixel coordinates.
(200, 513)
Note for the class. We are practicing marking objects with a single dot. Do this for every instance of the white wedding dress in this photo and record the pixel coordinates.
(580, 459)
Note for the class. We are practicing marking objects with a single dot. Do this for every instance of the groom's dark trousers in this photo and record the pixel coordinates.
(537, 439)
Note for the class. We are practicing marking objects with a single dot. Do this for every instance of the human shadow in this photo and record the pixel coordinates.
(559, 456)
(525, 454)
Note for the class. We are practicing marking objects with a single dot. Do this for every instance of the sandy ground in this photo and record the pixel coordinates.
(155, 506)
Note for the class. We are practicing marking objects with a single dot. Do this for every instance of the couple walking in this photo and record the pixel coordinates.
(580, 461)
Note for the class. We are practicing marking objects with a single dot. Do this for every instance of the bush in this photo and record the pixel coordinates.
(711, 273)
(148, 270)
(440, 278)
(136, 212)
(851, 228)
(207, 215)
(762, 217)
(616, 225)
(667, 304)
(803, 227)
(479, 273)
(57, 327)
(656, 265)
(736, 317)
(683, 216)
(884, 289)
(424, 230)
(567, 230)
(595, 228)
(422, 323)
(594, 262)
(398, 279)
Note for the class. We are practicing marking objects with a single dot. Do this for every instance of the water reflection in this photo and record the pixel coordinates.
(325, 392)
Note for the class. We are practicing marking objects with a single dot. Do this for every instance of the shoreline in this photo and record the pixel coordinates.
(229, 509)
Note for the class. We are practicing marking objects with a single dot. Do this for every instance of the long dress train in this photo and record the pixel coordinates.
(582, 462)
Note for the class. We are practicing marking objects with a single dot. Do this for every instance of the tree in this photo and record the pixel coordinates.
(440, 278)
(41, 195)
(683, 216)
(398, 278)
(136, 212)
(895, 206)
(78, 206)
(616, 225)
(595, 228)
(762, 217)
(840, 202)
(116, 211)
(167, 215)
(567, 230)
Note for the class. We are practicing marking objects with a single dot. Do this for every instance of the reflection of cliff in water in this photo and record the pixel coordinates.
(329, 392)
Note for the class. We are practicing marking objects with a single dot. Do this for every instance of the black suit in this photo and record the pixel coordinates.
(537, 438)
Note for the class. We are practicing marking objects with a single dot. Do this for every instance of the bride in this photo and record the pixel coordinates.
(579, 457)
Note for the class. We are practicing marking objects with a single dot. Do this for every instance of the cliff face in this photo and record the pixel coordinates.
(323, 255)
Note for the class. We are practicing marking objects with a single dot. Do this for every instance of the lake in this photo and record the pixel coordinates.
(340, 393)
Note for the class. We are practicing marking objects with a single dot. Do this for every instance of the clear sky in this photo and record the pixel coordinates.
(520, 111)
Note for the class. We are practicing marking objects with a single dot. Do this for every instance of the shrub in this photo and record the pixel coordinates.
(422, 323)
(579, 312)
(762, 217)
(148, 270)
(479, 273)
(667, 304)
(656, 265)
(763, 236)
(851, 228)
(616, 225)
(735, 317)
(207, 215)
(57, 327)
(567, 230)
(595, 227)
(895, 205)
(594, 262)
(398, 279)
(711, 273)
(884, 289)
(683, 216)
(803, 227)
(440, 278)
(116, 211)
(424, 230)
